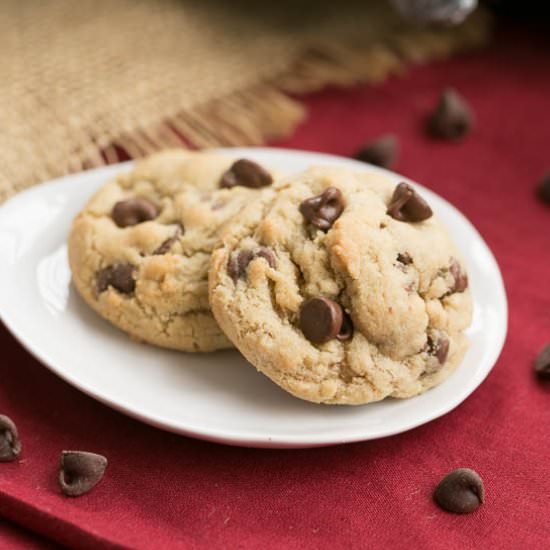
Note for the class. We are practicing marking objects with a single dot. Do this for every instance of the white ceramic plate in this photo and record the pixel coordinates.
(215, 396)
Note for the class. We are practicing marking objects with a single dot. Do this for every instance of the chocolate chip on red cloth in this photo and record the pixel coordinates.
(460, 277)
(10, 446)
(119, 276)
(166, 245)
(452, 118)
(324, 209)
(238, 263)
(406, 205)
(133, 211)
(543, 190)
(542, 363)
(246, 173)
(80, 471)
(380, 152)
(460, 491)
(346, 330)
(321, 319)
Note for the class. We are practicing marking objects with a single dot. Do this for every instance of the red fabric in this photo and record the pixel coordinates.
(163, 490)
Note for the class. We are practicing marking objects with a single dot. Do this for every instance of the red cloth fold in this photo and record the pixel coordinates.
(166, 491)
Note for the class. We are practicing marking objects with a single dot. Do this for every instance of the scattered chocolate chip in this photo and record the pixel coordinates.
(346, 330)
(406, 205)
(133, 211)
(10, 446)
(380, 152)
(119, 276)
(80, 471)
(542, 363)
(543, 190)
(460, 491)
(460, 277)
(321, 319)
(238, 263)
(452, 118)
(246, 173)
(166, 245)
(324, 209)
(404, 258)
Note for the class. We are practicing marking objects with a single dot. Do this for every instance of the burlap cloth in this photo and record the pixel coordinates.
(82, 79)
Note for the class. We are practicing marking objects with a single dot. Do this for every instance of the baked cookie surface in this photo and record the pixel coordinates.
(139, 251)
(342, 288)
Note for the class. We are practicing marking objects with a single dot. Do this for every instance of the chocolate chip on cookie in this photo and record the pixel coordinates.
(324, 209)
(166, 245)
(406, 205)
(80, 471)
(321, 319)
(452, 118)
(246, 173)
(238, 263)
(267, 254)
(10, 446)
(380, 152)
(346, 330)
(460, 277)
(133, 211)
(460, 491)
(119, 276)
(542, 363)
(404, 258)
(439, 348)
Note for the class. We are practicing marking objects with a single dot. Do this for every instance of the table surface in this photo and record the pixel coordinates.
(162, 490)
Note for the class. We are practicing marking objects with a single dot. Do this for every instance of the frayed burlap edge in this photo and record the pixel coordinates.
(266, 111)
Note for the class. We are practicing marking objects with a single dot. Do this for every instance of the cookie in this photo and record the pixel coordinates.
(343, 288)
(140, 249)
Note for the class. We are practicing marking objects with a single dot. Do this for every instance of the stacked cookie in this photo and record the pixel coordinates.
(338, 285)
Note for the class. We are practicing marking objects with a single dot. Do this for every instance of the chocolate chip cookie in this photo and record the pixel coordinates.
(140, 249)
(343, 288)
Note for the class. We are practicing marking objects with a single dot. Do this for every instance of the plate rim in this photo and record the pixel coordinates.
(265, 441)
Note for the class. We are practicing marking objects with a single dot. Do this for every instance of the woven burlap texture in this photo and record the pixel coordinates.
(80, 80)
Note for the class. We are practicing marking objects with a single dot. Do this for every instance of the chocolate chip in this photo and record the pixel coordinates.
(10, 446)
(321, 319)
(404, 258)
(80, 471)
(119, 276)
(461, 491)
(442, 350)
(324, 209)
(133, 211)
(452, 118)
(238, 263)
(236, 267)
(346, 330)
(246, 173)
(542, 363)
(380, 152)
(406, 205)
(267, 254)
(543, 190)
(460, 277)
(166, 245)
(439, 348)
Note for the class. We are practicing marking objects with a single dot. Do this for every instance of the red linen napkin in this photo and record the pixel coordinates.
(166, 491)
